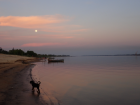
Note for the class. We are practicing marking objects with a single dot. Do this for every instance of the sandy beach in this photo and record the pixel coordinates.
(14, 81)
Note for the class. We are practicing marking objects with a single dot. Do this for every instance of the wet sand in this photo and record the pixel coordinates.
(15, 88)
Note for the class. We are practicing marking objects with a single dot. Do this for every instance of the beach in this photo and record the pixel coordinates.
(15, 88)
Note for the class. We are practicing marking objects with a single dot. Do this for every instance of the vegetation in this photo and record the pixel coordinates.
(28, 53)
(16, 52)
(19, 52)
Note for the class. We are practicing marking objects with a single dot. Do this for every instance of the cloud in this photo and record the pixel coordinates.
(46, 23)
(31, 21)
(39, 44)
(69, 37)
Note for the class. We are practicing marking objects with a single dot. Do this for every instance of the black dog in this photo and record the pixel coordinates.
(35, 85)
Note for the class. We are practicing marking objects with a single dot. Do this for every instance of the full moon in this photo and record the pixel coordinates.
(35, 30)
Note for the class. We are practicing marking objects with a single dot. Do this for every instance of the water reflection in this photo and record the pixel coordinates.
(54, 62)
(36, 94)
(92, 80)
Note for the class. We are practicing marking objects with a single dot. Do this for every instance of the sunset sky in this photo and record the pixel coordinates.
(74, 27)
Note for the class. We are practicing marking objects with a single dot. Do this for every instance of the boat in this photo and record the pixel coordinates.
(55, 60)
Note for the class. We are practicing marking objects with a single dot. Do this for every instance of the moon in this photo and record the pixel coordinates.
(35, 30)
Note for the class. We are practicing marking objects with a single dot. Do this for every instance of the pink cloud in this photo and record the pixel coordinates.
(31, 21)
(39, 44)
(69, 37)
(47, 23)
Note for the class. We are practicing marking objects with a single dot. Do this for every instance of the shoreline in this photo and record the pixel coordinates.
(15, 88)
(20, 91)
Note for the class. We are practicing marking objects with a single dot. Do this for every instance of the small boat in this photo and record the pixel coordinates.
(55, 60)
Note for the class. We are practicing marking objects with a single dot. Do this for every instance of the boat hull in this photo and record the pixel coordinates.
(55, 60)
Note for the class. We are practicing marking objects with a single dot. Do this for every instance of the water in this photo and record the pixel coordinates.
(94, 80)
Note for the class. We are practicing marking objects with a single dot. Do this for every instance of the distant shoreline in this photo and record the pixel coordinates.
(115, 55)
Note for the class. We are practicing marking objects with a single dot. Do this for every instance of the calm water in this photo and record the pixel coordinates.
(95, 80)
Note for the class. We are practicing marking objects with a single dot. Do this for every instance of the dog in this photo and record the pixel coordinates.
(35, 85)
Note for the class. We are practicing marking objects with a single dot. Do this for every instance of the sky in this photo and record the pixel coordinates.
(73, 27)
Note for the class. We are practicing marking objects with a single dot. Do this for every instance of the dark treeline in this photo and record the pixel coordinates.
(28, 53)
(19, 52)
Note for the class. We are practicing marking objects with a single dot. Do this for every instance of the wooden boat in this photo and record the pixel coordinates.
(55, 60)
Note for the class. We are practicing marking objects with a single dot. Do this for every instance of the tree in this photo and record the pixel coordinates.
(0, 49)
(16, 52)
(31, 53)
